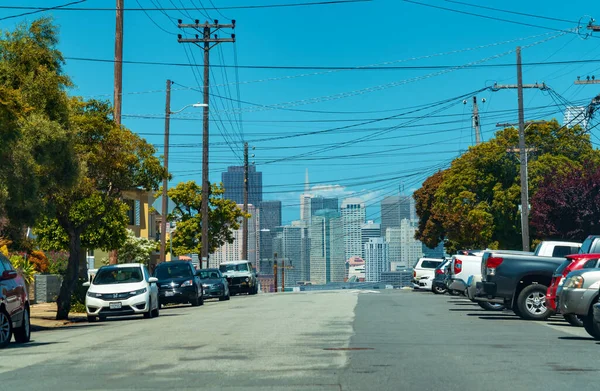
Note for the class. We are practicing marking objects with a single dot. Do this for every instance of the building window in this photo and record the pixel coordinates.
(134, 212)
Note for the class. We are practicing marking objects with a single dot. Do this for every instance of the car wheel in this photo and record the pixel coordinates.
(490, 306)
(148, 314)
(195, 302)
(532, 303)
(5, 328)
(102, 318)
(156, 311)
(201, 300)
(91, 318)
(592, 327)
(438, 290)
(574, 320)
(23, 333)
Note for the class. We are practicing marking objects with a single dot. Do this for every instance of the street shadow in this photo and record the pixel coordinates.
(577, 338)
(565, 324)
(495, 317)
(465, 309)
(78, 325)
(30, 344)
(133, 317)
(463, 303)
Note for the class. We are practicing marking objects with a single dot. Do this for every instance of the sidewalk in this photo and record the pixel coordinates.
(43, 317)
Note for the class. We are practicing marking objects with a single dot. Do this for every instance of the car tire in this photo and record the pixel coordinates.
(23, 332)
(156, 312)
(148, 314)
(102, 318)
(592, 327)
(438, 290)
(5, 329)
(490, 306)
(195, 302)
(201, 300)
(574, 320)
(531, 303)
(91, 318)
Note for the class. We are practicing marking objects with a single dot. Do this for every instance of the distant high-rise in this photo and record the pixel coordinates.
(327, 261)
(393, 237)
(394, 209)
(291, 245)
(376, 259)
(437, 252)
(233, 251)
(367, 231)
(410, 248)
(353, 217)
(270, 217)
(318, 203)
(305, 200)
(575, 115)
(233, 181)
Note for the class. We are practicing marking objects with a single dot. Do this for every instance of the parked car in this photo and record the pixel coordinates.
(241, 277)
(596, 321)
(556, 249)
(463, 265)
(439, 284)
(590, 245)
(214, 284)
(424, 272)
(578, 295)
(14, 305)
(572, 263)
(122, 290)
(179, 282)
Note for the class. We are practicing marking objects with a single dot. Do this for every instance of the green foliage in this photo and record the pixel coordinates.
(57, 262)
(224, 216)
(78, 296)
(474, 203)
(25, 268)
(137, 250)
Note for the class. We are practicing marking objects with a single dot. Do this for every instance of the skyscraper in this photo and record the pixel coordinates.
(305, 200)
(270, 217)
(353, 217)
(367, 231)
(233, 181)
(318, 203)
(233, 251)
(394, 209)
(575, 115)
(393, 239)
(327, 263)
(410, 248)
(376, 259)
(291, 245)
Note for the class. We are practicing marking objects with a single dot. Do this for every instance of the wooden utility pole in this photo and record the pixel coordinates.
(205, 42)
(275, 271)
(588, 80)
(283, 274)
(118, 86)
(165, 212)
(476, 123)
(245, 222)
(522, 151)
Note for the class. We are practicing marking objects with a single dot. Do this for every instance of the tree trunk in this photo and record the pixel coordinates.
(68, 285)
(113, 257)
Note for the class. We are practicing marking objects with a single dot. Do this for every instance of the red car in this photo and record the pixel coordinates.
(14, 305)
(572, 263)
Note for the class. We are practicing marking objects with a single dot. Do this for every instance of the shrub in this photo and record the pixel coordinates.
(78, 296)
(40, 261)
(57, 262)
(24, 267)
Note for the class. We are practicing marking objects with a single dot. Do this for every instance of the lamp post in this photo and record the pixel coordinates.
(163, 223)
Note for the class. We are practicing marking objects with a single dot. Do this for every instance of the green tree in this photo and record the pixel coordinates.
(91, 214)
(224, 216)
(136, 250)
(475, 203)
(35, 152)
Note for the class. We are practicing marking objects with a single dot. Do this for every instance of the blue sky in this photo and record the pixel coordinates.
(370, 160)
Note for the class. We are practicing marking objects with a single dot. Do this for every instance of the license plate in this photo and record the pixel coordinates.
(115, 306)
(167, 294)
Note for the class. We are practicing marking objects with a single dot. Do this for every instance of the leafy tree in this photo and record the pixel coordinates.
(136, 250)
(567, 204)
(224, 216)
(35, 152)
(475, 202)
(91, 214)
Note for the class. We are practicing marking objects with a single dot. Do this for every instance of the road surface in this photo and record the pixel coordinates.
(337, 340)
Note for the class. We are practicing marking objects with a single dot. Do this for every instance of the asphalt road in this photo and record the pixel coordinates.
(340, 340)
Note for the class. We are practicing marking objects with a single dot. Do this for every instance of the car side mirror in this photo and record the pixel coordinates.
(86, 284)
(153, 280)
(8, 275)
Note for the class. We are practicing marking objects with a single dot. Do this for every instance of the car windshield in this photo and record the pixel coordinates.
(178, 270)
(212, 274)
(242, 267)
(118, 275)
(586, 246)
(563, 266)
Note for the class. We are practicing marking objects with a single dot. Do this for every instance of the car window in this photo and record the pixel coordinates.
(430, 264)
(7, 264)
(591, 264)
(562, 251)
(146, 273)
(166, 271)
(242, 267)
(563, 266)
(2, 268)
(118, 275)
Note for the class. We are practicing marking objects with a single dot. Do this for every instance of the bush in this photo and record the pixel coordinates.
(24, 267)
(57, 262)
(78, 296)
(39, 261)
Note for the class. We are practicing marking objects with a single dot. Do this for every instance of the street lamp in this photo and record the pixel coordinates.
(163, 223)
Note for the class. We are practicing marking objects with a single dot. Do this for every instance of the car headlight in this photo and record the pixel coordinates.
(247, 279)
(187, 283)
(574, 282)
(138, 292)
(94, 294)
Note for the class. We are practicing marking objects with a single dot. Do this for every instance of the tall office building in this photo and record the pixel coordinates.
(291, 245)
(575, 115)
(233, 181)
(305, 200)
(393, 239)
(233, 251)
(394, 209)
(327, 263)
(270, 217)
(367, 231)
(353, 217)
(318, 203)
(376, 259)
(410, 248)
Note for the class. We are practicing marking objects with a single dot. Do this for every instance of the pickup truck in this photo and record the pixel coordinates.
(520, 281)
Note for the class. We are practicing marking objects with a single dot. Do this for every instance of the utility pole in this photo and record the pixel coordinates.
(205, 42)
(275, 271)
(282, 274)
(118, 86)
(476, 124)
(588, 80)
(522, 149)
(163, 222)
(245, 222)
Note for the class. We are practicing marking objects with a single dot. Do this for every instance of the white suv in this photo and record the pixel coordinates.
(424, 272)
(121, 290)
(241, 277)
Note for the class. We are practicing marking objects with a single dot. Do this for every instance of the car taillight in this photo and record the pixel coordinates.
(415, 273)
(457, 266)
(492, 263)
(439, 271)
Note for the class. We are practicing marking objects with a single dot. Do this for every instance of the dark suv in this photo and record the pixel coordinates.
(178, 282)
(14, 305)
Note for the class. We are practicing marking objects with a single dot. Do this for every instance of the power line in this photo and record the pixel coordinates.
(40, 9)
